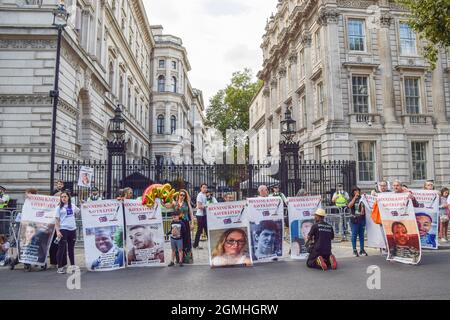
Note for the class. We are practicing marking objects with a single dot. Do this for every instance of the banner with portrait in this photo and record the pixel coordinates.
(145, 234)
(36, 229)
(375, 237)
(427, 217)
(265, 216)
(301, 218)
(228, 235)
(400, 227)
(85, 177)
(103, 235)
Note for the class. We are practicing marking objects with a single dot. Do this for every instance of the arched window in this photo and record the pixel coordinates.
(173, 124)
(174, 84)
(160, 124)
(161, 84)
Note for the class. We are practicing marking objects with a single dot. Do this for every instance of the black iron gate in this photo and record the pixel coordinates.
(240, 180)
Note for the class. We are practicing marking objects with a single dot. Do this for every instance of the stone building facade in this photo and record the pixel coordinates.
(178, 132)
(352, 74)
(105, 61)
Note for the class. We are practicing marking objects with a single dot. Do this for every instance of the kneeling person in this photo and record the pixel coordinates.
(320, 236)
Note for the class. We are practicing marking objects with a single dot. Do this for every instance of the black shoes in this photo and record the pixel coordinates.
(355, 253)
(363, 253)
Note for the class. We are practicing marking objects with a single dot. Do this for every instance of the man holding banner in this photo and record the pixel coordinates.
(400, 227)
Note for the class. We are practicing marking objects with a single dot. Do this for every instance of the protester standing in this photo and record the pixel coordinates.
(183, 204)
(176, 232)
(444, 213)
(4, 198)
(200, 215)
(66, 230)
(357, 221)
(263, 191)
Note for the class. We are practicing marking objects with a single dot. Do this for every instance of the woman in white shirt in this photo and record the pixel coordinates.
(66, 230)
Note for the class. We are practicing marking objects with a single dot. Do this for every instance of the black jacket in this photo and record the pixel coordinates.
(321, 234)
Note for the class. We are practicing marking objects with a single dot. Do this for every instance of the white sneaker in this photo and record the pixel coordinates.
(443, 240)
(61, 271)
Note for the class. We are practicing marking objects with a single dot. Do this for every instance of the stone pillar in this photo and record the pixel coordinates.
(306, 41)
(266, 100)
(328, 19)
(167, 119)
(386, 69)
(438, 93)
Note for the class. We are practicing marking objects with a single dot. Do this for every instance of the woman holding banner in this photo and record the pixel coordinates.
(66, 230)
(231, 249)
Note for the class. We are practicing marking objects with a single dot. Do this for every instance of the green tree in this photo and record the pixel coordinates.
(431, 20)
(229, 107)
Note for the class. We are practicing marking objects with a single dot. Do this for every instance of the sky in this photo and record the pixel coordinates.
(220, 36)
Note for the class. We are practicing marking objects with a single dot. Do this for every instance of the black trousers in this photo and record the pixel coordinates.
(311, 262)
(201, 225)
(66, 245)
(53, 252)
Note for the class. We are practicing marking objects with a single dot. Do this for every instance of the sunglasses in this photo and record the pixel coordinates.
(182, 195)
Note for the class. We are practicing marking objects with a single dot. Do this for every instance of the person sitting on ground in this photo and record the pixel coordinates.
(320, 236)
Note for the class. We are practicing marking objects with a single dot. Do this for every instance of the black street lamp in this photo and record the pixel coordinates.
(289, 168)
(288, 126)
(60, 16)
(116, 148)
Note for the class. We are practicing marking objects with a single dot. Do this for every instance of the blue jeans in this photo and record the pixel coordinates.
(358, 231)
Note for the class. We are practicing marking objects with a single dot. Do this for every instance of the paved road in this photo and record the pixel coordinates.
(278, 280)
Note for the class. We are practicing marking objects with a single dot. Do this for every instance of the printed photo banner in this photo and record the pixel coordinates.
(103, 235)
(375, 236)
(427, 217)
(400, 227)
(301, 218)
(265, 216)
(36, 229)
(145, 234)
(228, 234)
(85, 177)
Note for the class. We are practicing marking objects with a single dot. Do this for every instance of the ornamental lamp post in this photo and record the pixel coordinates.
(289, 166)
(116, 149)
(60, 17)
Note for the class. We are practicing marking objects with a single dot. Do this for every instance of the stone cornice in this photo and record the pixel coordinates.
(27, 44)
(67, 108)
(25, 100)
(357, 4)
